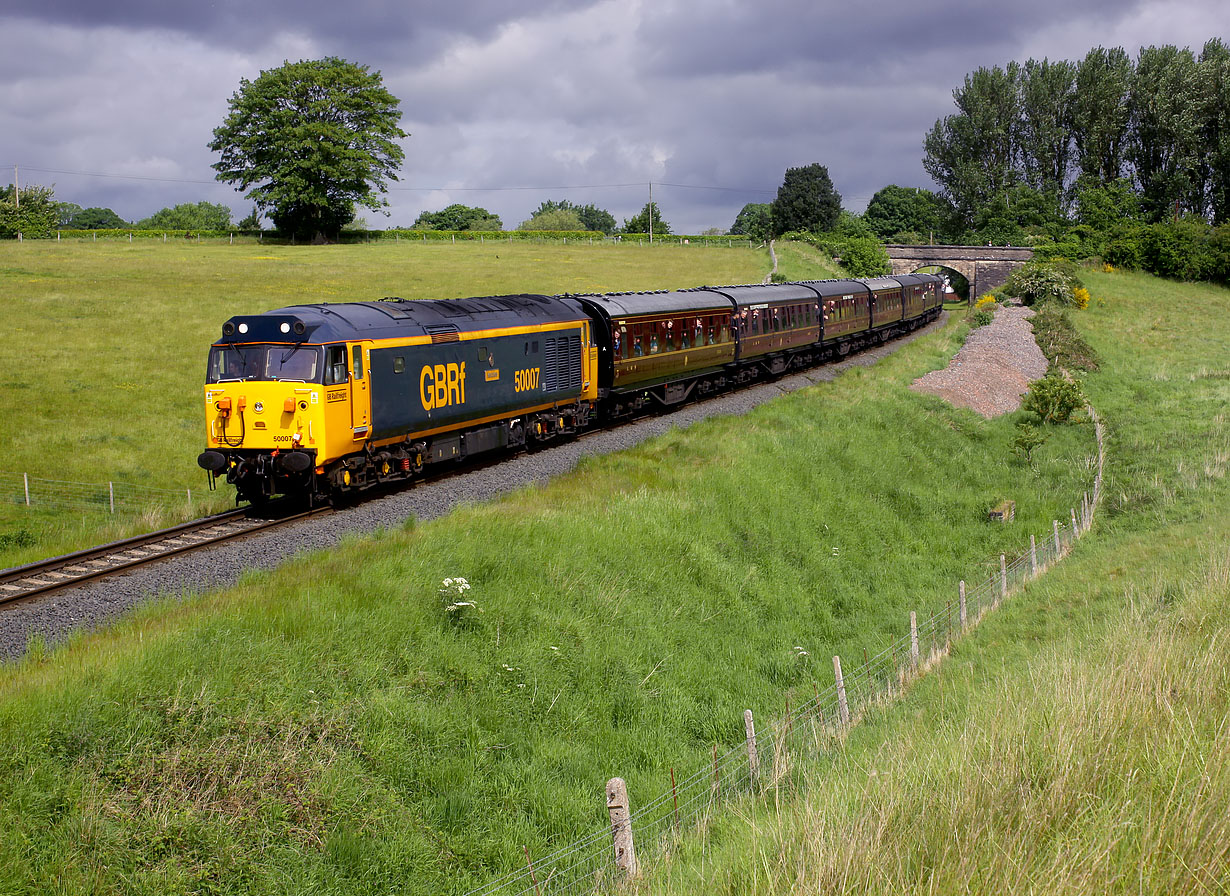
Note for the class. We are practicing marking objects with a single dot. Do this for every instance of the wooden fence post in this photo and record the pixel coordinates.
(753, 759)
(913, 641)
(843, 707)
(621, 826)
(1033, 557)
(1074, 529)
(1055, 531)
(964, 608)
(26, 478)
(1003, 576)
(111, 495)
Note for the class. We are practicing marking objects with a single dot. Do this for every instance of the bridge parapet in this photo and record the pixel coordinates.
(985, 267)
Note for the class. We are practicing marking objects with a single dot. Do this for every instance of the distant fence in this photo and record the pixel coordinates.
(769, 760)
(564, 237)
(104, 497)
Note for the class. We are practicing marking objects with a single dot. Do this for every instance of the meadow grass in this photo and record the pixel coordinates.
(1076, 742)
(332, 727)
(103, 356)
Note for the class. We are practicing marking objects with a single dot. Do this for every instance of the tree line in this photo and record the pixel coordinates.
(1058, 140)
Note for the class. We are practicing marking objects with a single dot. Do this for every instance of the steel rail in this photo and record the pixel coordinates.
(23, 582)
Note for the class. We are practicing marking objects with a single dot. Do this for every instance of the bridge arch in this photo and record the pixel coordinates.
(985, 267)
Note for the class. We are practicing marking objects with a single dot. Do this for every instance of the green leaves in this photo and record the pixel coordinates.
(806, 200)
(310, 141)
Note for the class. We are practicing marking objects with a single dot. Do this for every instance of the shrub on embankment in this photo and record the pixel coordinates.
(333, 725)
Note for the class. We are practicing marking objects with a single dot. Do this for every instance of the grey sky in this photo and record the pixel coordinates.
(509, 104)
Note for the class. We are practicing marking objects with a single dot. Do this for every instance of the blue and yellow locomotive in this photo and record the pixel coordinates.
(322, 399)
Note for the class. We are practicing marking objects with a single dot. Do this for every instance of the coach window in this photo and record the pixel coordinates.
(335, 365)
(653, 340)
(356, 356)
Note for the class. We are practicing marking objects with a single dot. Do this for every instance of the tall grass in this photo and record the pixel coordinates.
(1077, 743)
(102, 358)
(332, 726)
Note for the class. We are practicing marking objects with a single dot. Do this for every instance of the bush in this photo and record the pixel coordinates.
(1028, 438)
(1053, 398)
(1038, 282)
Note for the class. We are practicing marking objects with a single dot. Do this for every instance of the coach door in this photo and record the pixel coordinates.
(360, 392)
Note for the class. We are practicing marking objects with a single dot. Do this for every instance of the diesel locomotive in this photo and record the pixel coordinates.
(322, 399)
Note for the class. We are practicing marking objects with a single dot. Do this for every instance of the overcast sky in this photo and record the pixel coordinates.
(510, 103)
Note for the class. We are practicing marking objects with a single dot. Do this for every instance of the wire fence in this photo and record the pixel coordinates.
(770, 760)
(103, 497)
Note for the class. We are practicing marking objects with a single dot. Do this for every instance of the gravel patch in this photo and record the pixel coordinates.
(57, 616)
(993, 370)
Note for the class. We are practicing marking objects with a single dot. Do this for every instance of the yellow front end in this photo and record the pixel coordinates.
(265, 436)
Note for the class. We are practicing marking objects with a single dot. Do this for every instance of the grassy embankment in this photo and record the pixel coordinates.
(328, 727)
(1078, 742)
(103, 353)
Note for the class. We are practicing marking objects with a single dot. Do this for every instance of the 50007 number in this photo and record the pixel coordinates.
(525, 380)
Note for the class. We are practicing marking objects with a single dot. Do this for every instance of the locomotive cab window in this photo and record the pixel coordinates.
(234, 363)
(335, 365)
(356, 355)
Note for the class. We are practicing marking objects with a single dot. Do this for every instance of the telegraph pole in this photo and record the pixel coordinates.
(651, 213)
(16, 190)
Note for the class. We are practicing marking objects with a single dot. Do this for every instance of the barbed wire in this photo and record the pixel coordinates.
(807, 731)
(110, 497)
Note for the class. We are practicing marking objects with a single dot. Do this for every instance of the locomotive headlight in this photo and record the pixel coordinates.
(243, 328)
(285, 328)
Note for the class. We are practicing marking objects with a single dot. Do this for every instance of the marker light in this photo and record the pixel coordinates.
(243, 328)
(285, 328)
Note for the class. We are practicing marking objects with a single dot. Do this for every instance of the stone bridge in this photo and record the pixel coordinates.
(985, 267)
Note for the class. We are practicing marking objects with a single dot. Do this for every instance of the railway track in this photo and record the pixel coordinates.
(23, 582)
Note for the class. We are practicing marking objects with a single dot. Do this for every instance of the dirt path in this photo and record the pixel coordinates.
(995, 367)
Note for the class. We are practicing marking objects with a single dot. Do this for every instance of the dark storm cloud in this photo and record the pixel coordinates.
(711, 100)
(404, 31)
(847, 42)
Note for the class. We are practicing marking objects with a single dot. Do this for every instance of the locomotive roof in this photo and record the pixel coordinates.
(395, 318)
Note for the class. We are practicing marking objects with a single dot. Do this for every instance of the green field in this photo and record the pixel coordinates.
(103, 358)
(331, 727)
(1077, 742)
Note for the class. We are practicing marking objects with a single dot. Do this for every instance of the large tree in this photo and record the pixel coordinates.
(189, 216)
(894, 210)
(1165, 145)
(592, 217)
(1214, 76)
(640, 222)
(806, 201)
(553, 219)
(754, 220)
(458, 217)
(1098, 114)
(972, 155)
(310, 141)
(1047, 92)
(94, 219)
(30, 211)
